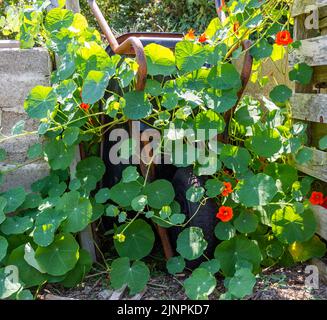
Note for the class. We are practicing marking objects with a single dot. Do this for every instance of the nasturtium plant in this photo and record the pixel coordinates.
(235, 153)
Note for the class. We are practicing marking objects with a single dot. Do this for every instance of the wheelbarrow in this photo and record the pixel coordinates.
(132, 44)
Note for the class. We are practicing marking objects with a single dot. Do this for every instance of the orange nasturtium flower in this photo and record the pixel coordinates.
(283, 38)
(84, 106)
(228, 189)
(190, 35)
(203, 38)
(317, 198)
(225, 214)
(236, 26)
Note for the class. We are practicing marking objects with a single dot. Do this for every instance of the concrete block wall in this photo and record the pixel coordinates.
(20, 71)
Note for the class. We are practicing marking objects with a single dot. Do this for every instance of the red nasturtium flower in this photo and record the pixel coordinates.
(283, 38)
(228, 189)
(190, 35)
(84, 106)
(317, 198)
(225, 214)
(203, 38)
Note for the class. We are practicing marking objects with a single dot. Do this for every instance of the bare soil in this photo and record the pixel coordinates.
(272, 284)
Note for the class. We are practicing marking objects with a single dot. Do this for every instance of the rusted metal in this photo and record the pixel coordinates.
(123, 48)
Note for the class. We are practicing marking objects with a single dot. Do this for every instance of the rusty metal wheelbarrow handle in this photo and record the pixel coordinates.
(124, 47)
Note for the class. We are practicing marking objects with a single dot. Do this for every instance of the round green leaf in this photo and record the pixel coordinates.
(214, 187)
(267, 143)
(60, 257)
(160, 60)
(59, 155)
(200, 284)
(137, 105)
(124, 193)
(235, 158)
(301, 73)
(191, 243)
(224, 231)
(28, 275)
(290, 226)
(213, 266)
(175, 265)
(210, 122)
(94, 86)
(139, 203)
(79, 214)
(112, 211)
(177, 218)
(46, 224)
(189, 56)
(275, 249)
(153, 87)
(70, 135)
(242, 283)
(261, 50)
(102, 196)
(35, 151)
(40, 101)
(81, 269)
(57, 18)
(24, 295)
(66, 89)
(221, 100)
(280, 94)
(238, 248)
(285, 173)
(257, 190)
(195, 194)
(246, 222)
(224, 77)
(160, 193)
(18, 128)
(139, 240)
(91, 166)
(16, 225)
(14, 198)
(135, 276)
(303, 251)
(304, 155)
(130, 174)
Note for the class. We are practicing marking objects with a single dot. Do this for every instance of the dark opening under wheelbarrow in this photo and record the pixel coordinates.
(132, 44)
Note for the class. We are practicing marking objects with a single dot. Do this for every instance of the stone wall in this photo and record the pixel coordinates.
(20, 71)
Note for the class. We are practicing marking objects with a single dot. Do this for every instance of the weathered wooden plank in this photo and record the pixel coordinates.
(312, 51)
(317, 167)
(309, 107)
(321, 217)
(305, 6)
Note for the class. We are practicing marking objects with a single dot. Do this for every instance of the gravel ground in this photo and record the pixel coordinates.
(272, 284)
